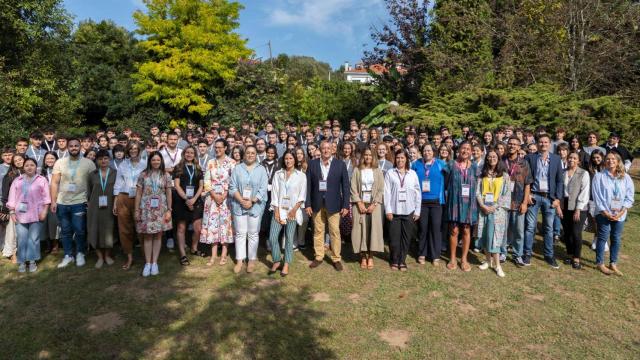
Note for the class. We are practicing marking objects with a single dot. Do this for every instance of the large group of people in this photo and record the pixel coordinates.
(326, 186)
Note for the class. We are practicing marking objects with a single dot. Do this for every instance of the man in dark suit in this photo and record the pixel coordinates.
(328, 192)
(547, 190)
(613, 145)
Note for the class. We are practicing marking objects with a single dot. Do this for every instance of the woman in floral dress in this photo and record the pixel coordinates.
(217, 226)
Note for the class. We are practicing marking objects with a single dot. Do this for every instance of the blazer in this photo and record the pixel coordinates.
(556, 174)
(338, 191)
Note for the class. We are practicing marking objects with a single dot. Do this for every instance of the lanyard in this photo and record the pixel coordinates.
(464, 172)
(381, 164)
(36, 155)
(190, 173)
(155, 182)
(427, 170)
(286, 181)
(616, 189)
(132, 172)
(26, 187)
(203, 163)
(49, 174)
(401, 178)
(512, 166)
(348, 164)
(103, 182)
(49, 148)
(543, 167)
(323, 167)
(270, 168)
(73, 169)
(64, 154)
(173, 158)
(117, 164)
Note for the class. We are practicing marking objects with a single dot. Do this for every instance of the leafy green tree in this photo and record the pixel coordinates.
(192, 49)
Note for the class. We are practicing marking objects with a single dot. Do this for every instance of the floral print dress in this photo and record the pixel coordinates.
(152, 219)
(216, 221)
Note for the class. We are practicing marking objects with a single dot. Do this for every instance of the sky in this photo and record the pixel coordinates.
(333, 31)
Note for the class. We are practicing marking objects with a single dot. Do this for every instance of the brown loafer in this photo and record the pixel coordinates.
(603, 269)
(614, 269)
(238, 267)
(315, 263)
(250, 266)
(338, 266)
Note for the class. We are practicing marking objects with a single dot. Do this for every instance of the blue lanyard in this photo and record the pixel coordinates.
(103, 183)
(73, 170)
(26, 186)
(616, 189)
(190, 173)
(155, 180)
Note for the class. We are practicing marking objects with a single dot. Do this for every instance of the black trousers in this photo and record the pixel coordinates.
(573, 231)
(401, 230)
(430, 231)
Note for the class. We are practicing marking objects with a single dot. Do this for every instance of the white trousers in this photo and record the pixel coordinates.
(247, 229)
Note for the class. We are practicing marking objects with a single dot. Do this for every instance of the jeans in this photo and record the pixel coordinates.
(28, 236)
(73, 223)
(557, 226)
(246, 228)
(543, 204)
(515, 233)
(608, 230)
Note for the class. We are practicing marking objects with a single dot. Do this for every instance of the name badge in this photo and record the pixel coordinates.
(23, 207)
(217, 189)
(155, 202)
(322, 186)
(132, 192)
(488, 199)
(102, 201)
(366, 196)
(426, 186)
(246, 193)
(190, 191)
(402, 195)
(466, 190)
(616, 204)
(171, 183)
(285, 203)
(71, 187)
(512, 186)
(269, 187)
(544, 185)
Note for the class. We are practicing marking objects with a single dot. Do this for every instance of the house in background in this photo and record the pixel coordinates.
(361, 74)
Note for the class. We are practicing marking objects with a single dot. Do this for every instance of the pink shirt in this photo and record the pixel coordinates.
(36, 198)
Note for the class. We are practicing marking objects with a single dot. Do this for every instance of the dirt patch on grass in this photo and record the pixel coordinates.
(354, 298)
(435, 294)
(403, 294)
(105, 322)
(320, 297)
(265, 283)
(536, 297)
(464, 307)
(397, 338)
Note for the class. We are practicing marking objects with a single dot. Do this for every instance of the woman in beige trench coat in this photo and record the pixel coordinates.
(367, 189)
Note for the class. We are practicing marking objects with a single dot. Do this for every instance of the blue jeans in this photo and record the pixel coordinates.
(515, 233)
(28, 238)
(608, 229)
(73, 223)
(557, 226)
(548, 213)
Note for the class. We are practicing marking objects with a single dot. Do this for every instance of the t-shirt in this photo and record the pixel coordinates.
(73, 172)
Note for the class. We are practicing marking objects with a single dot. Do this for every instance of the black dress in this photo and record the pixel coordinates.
(180, 210)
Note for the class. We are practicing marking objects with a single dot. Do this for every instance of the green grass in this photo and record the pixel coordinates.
(202, 312)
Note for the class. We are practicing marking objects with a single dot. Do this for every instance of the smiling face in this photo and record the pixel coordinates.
(289, 161)
(29, 167)
(189, 154)
(250, 155)
(49, 160)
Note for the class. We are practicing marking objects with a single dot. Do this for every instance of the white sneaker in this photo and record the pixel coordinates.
(66, 261)
(22, 268)
(484, 266)
(80, 259)
(147, 270)
(33, 267)
(154, 269)
(99, 263)
(170, 243)
(500, 272)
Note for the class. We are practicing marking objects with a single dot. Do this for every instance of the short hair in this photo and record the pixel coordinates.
(202, 141)
(173, 133)
(104, 153)
(544, 135)
(119, 148)
(36, 135)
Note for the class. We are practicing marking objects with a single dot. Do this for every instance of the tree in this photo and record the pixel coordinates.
(192, 49)
(402, 42)
(303, 68)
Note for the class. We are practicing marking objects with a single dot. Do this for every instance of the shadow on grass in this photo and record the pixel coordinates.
(182, 313)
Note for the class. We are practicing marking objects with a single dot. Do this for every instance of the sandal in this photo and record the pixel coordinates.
(223, 260)
(465, 266)
(184, 261)
(422, 260)
(451, 266)
(370, 263)
(126, 267)
(363, 262)
(211, 261)
(394, 267)
(274, 269)
(403, 268)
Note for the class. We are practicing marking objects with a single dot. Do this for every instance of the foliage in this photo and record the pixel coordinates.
(303, 68)
(192, 49)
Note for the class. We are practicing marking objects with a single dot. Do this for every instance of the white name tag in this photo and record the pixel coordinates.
(426, 186)
(190, 191)
(512, 186)
(544, 185)
(171, 183)
(246, 193)
(616, 204)
(132, 192)
(102, 201)
(402, 195)
(71, 187)
(322, 186)
(488, 199)
(217, 189)
(23, 207)
(366, 196)
(269, 187)
(285, 203)
(466, 190)
(155, 202)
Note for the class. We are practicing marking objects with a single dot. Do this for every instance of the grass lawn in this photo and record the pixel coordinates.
(203, 312)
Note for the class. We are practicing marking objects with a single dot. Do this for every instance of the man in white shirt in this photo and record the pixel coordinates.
(171, 156)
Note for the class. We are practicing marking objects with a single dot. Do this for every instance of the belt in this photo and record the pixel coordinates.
(540, 193)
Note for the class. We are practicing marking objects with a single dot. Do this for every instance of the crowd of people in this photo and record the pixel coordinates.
(325, 186)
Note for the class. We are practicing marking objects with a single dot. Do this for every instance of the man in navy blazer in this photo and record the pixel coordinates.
(328, 193)
(547, 191)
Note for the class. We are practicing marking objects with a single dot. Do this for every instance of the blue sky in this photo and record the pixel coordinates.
(333, 31)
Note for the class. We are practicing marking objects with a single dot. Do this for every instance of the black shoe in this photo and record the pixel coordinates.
(526, 260)
(552, 262)
(568, 261)
(576, 265)
(338, 265)
(518, 261)
(315, 263)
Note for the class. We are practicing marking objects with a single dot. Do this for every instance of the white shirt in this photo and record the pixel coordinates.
(366, 177)
(325, 170)
(127, 177)
(171, 159)
(392, 189)
(295, 188)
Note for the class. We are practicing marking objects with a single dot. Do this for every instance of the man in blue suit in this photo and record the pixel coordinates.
(547, 190)
(328, 193)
